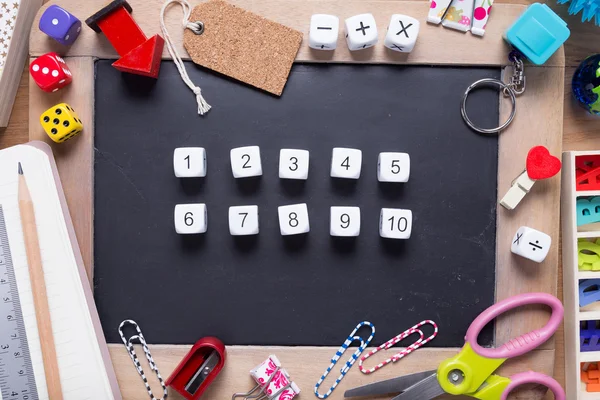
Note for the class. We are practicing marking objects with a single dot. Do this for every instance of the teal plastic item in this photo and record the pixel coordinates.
(588, 210)
(538, 33)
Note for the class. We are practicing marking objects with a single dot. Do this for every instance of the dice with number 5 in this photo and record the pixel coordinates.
(393, 167)
(395, 223)
(243, 220)
(190, 218)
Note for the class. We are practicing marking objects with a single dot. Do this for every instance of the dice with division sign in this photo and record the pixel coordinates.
(189, 162)
(402, 33)
(61, 122)
(531, 243)
(344, 221)
(245, 162)
(60, 25)
(361, 32)
(243, 220)
(323, 33)
(346, 163)
(190, 219)
(50, 72)
(293, 219)
(393, 167)
(293, 164)
(395, 223)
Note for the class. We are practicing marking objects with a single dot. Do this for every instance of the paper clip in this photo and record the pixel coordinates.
(350, 362)
(403, 353)
(272, 382)
(129, 345)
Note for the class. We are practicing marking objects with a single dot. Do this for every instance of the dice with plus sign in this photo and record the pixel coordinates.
(402, 33)
(60, 25)
(323, 34)
(361, 32)
(531, 243)
(50, 72)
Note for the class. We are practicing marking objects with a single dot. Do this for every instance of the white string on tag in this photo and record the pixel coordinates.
(197, 28)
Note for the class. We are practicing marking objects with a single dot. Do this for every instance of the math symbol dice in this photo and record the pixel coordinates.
(531, 244)
(402, 33)
(50, 72)
(293, 219)
(61, 122)
(361, 32)
(60, 25)
(324, 31)
(395, 223)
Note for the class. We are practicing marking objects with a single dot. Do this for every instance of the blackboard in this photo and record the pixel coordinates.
(309, 290)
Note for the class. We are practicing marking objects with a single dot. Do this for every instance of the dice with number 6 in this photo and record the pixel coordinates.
(243, 220)
(190, 219)
(395, 223)
(393, 167)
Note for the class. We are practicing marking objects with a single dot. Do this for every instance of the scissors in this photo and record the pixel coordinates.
(470, 372)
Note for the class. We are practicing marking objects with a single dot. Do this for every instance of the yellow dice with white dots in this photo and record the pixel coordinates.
(61, 122)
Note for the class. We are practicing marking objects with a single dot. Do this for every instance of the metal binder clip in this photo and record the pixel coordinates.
(351, 338)
(272, 382)
(129, 345)
(395, 340)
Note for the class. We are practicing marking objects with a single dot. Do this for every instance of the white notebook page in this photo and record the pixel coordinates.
(82, 371)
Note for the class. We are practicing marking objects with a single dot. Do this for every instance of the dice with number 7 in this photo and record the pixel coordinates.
(393, 167)
(243, 220)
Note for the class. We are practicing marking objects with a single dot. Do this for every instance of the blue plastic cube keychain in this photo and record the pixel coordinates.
(535, 35)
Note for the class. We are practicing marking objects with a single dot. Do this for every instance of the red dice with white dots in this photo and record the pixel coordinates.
(50, 72)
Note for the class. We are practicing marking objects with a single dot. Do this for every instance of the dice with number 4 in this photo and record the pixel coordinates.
(293, 164)
(393, 167)
(293, 219)
(245, 162)
(190, 218)
(395, 223)
(346, 163)
(243, 220)
(344, 221)
(189, 162)
(50, 72)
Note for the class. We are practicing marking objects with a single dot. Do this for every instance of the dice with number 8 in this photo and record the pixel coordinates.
(395, 223)
(293, 219)
(293, 164)
(243, 220)
(190, 219)
(393, 167)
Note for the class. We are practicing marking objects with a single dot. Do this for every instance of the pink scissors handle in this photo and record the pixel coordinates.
(534, 377)
(523, 343)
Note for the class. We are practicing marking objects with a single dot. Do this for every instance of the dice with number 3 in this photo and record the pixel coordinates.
(393, 167)
(293, 164)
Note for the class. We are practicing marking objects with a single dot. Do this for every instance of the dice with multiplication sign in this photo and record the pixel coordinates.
(293, 164)
(189, 162)
(531, 243)
(393, 167)
(60, 25)
(245, 162)
(346, 163)
(402, 33)
(344, 221)
(50, 72)
(395, 223)
(190, 219)
(323, 33)
(293, 219)
(243, 220)
(61, 122)
(361, 32)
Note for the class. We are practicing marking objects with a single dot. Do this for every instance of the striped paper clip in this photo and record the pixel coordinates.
(351, 338)
(403, 353)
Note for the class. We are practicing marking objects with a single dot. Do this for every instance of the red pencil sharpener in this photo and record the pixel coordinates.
(199, 368)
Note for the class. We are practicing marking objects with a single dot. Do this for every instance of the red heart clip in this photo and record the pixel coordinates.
(541, 164)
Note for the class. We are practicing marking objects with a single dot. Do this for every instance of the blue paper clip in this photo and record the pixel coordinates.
(350, 362)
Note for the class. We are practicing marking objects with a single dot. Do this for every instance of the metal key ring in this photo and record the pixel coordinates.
(505, 88)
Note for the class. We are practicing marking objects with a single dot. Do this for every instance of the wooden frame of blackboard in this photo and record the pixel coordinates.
(539, 121)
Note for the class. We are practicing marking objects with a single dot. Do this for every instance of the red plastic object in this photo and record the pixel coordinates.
(122, 31)
(587, 172)
(144, 59)
(50, 72)
(541, 164)
(191, 363)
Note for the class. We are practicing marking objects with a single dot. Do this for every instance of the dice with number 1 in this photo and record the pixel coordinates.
(189, 162)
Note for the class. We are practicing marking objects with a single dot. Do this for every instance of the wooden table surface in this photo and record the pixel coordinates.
(581, 130)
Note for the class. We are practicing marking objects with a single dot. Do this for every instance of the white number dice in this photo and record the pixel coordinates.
(243, 220)
(531, 244)
(402, 33)
(190, 218)
(323, 34)
(361, 31)
(293, 219)
(344, 221)
(395, 223)
(346, 163)
(245, 162)
(293, 164)
(189, 162)
(393, 167)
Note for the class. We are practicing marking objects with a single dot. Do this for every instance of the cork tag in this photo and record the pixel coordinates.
(243, 45)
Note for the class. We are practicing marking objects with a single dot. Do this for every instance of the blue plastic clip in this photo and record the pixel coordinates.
(589, 292)
(588, 210)
(350, 362)
(589, 337)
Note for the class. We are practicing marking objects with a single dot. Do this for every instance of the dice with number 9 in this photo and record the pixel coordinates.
(344, 221)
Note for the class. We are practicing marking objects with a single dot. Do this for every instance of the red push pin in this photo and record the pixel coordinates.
(139, 55)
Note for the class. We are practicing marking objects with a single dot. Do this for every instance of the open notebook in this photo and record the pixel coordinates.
(86, 371)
